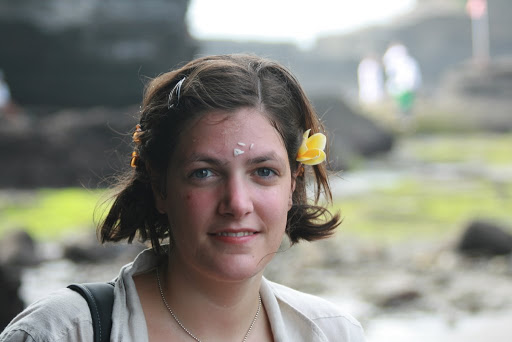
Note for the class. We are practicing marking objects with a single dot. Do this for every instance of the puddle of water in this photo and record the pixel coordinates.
(496, 327)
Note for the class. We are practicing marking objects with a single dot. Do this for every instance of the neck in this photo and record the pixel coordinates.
(211, 307)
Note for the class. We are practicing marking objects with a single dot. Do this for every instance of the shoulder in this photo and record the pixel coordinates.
(61, 316)
(330, 319)
(311, 306)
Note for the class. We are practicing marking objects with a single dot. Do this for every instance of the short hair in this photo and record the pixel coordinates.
(213, 83)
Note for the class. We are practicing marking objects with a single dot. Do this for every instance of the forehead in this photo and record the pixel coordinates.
(221, 132)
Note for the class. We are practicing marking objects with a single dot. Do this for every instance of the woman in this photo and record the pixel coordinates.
(218, 173)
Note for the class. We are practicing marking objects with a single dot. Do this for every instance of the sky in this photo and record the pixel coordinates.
(295, 21)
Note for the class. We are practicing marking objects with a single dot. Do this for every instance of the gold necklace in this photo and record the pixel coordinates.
(188, 331)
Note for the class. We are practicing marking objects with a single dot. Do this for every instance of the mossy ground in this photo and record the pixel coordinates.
(415, 208)
(49, 213)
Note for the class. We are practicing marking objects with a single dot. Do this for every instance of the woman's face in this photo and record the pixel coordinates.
(229, 189)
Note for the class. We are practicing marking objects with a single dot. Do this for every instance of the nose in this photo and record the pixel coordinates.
(236, 200)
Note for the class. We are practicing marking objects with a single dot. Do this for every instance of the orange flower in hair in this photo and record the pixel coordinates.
(135, 157)
(137, 141)
(136, 134)
(311, 152)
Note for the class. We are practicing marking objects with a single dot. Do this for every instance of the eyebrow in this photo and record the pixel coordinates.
(263, 158)
(200, 157)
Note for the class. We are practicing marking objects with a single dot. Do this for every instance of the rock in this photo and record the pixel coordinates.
(485, 238)
(17, 248)
(87, 249)
(72, 147)
(78, 146)
(89, 253)
(90, 52)
(483, 93)
(493, 82)
(399, 299)
(472, 301)
(10, 301)
(351, 133)
(397, 289)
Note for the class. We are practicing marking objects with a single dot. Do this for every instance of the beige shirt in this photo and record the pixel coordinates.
(64, 315)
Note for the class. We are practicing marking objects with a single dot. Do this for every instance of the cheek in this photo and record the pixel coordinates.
(195, 201)
(275, 205)
(181, 202)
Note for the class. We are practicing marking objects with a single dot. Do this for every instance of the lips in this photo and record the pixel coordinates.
(238, 234)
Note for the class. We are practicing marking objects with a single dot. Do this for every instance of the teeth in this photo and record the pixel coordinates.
(240, 234)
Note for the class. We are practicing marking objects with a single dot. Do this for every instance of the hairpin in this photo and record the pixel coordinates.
(136, 139)
(136, 134)
(176, 88)
(311, 152)
(135, 157)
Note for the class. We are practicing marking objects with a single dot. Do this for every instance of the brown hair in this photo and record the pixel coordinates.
(228, 83)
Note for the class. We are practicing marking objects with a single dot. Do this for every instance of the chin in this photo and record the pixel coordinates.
(239, 270)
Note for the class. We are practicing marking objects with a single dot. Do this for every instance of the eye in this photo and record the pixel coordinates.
(201, 173)
(265, 172)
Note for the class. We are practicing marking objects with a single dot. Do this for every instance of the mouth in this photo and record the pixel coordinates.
(237, 234)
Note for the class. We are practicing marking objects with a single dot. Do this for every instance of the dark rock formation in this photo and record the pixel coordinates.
(351, 134)
(399, 299)
(69, 148)
(492, 82)
(18, 249)
(87, 249)
(90, 52)
(86, 147)
(484, 89)
(485, 238)
(10, 301)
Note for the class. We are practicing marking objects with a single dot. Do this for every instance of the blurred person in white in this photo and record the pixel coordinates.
(5, 95)
(218, 178)
(403, 78)
(370, 80)
(8, 109)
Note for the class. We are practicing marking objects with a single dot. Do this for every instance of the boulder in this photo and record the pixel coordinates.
(90, 52)
(399, 299)
(87, 146)
(71, 147)
(485, 238)
(10, 301)
(483, 93)
(87, 249)
(18, 249)
(351, 134)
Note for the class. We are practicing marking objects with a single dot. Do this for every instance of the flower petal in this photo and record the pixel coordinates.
(303, 148)
(319, 158)
(317, 140)
(310, 154)
(306, 134)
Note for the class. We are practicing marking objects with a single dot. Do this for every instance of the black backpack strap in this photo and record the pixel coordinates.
(100, 298)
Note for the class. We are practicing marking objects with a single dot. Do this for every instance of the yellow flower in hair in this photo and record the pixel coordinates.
(311, 152)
